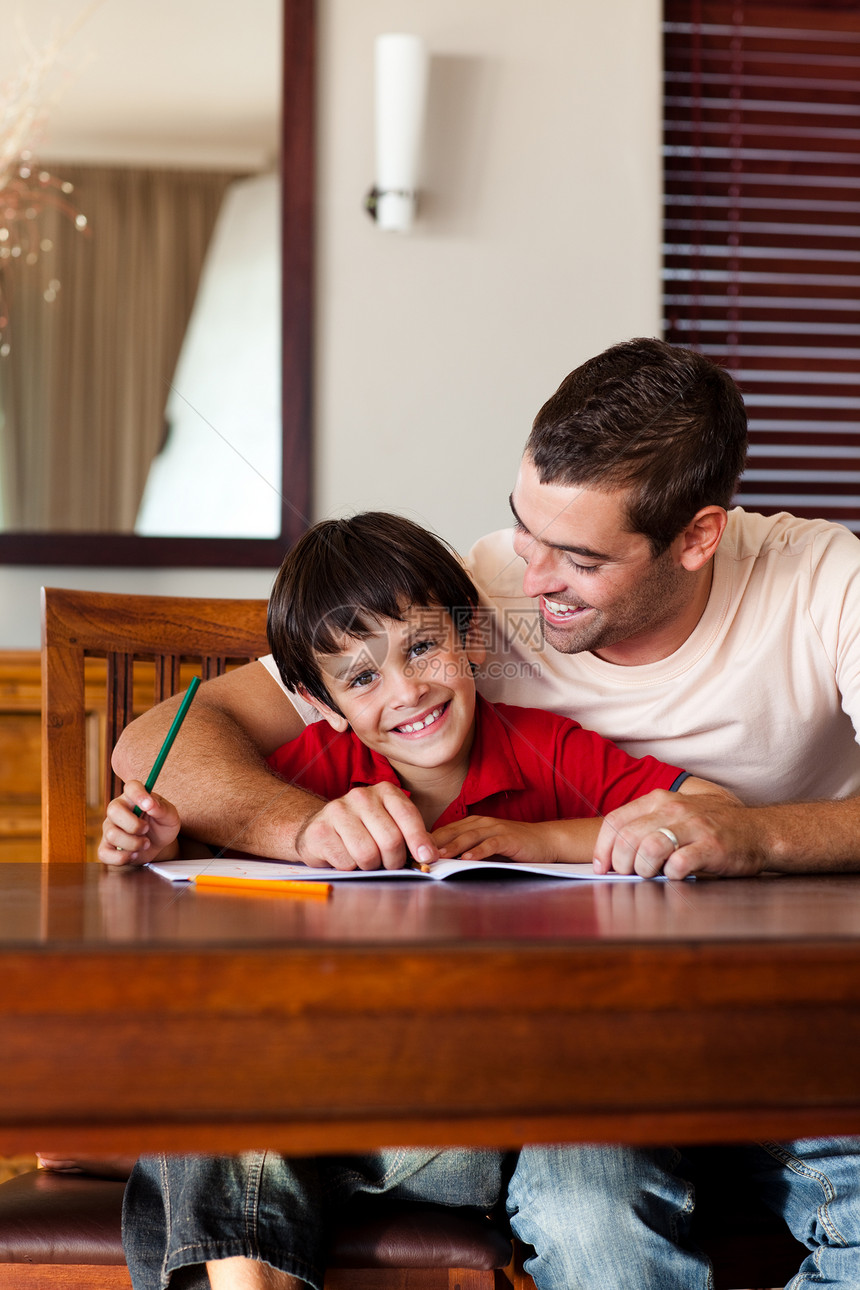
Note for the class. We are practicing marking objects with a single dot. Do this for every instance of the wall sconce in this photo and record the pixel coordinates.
(401, 92)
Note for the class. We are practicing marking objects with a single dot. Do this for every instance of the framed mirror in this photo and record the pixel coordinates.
(291, 507)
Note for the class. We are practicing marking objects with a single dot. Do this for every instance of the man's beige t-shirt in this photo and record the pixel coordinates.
(763, 697)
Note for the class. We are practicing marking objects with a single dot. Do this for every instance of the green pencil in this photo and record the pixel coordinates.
(171, 735)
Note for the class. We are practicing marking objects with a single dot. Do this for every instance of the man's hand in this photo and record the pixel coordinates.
(715, 836)
(137, 839)
(377, 827)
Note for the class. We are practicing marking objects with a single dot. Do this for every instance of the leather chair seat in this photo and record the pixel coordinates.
(410, 1234)
(58, 1218)
(61, 1218)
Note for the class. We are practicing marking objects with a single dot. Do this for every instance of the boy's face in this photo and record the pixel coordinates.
(407, 691)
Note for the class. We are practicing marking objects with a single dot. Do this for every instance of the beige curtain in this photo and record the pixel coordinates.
(83, 390)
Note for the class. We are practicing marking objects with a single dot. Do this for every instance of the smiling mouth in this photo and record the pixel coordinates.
(422, 723)
(561, 612)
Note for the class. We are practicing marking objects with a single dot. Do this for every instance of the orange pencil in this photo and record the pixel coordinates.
(276, 886)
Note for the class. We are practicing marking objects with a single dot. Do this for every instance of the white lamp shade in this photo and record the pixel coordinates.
(401, 92)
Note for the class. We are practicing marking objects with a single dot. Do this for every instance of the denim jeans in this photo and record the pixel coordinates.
(180, 1212)
(618, 1218)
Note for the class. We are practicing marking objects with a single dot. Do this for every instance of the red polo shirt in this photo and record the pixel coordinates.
(526, 764)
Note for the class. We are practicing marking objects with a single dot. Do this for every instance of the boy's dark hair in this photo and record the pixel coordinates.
(343, 576)
(653, 417)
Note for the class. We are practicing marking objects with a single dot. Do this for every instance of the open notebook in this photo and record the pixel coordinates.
(266, 870)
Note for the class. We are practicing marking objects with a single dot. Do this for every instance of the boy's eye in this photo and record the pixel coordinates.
(421, 647)
(363, 678)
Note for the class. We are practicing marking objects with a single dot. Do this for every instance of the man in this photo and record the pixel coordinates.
(727, 643)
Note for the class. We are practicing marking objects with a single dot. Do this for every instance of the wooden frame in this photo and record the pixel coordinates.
(297, 210)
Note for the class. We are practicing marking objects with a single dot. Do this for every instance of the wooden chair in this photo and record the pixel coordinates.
(63, 1231)
(164, 638)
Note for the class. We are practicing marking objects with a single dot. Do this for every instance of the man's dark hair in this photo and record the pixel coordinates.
(663, 421)
(343, 576)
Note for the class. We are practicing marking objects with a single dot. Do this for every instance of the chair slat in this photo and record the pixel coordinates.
(167, 680)
(120, 686)
(213, 665)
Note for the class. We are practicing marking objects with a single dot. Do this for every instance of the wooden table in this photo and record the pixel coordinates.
(134, 1016)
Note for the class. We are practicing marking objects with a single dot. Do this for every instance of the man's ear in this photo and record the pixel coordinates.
(335, 720)
(700, 539)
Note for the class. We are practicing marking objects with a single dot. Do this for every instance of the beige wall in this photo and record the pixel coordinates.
(538, 245)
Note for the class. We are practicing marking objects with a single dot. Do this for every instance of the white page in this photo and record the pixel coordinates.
(239, 867)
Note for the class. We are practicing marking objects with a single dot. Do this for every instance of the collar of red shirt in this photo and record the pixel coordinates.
(493, 767)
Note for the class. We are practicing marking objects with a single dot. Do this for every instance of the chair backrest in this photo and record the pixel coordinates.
(169, 637)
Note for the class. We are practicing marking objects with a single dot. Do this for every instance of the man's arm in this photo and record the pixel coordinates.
(226, 795)
(216, 774)
(725, 840)
(548, 842)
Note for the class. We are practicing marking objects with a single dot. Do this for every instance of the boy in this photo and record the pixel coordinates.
(372, 621)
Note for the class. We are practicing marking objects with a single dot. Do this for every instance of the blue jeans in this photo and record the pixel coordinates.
(618, 1218)
(180, 1212)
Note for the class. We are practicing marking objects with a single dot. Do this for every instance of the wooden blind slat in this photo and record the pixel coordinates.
(761, 235)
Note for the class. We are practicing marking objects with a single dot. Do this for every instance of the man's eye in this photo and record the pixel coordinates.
(584, 568)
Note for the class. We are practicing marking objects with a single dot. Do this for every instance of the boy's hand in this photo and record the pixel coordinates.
(477, 837)
(369, 828)
(137, 839)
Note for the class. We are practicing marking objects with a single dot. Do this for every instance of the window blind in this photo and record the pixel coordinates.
(762, 233)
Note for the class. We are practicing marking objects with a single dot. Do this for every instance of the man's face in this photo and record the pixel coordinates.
(598, 586)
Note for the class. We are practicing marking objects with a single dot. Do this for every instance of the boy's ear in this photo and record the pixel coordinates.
(335, 720)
